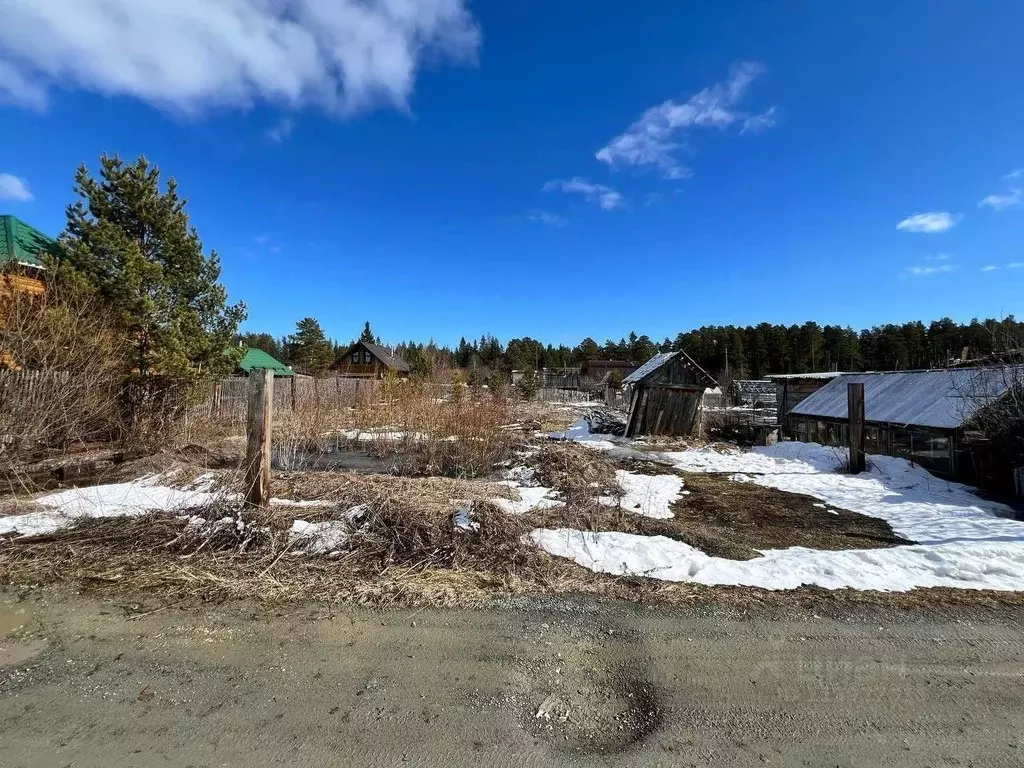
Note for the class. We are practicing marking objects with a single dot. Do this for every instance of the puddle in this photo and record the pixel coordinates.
(12, 619)
(288, 457)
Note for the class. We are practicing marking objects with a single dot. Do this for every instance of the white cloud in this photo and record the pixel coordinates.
(606, 197)
(1016, 174)
(550, 219)
(190, 55)
(925, 271)
(1015, 265)
(938, 221)
(990, 268)
(939, 257)
(14, 188)
(280, 131)
(656, 137)
(1002, 202)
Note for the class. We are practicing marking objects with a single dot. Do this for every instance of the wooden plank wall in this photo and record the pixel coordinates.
(667, 411)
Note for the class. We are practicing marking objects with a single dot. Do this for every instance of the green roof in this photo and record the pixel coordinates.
(256, 359)
(24, 244)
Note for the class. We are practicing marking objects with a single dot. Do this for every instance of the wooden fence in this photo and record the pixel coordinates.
(228, 396)
(30, 389)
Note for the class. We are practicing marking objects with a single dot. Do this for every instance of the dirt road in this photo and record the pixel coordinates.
(85, 682)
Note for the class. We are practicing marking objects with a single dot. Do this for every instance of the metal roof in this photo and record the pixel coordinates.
(816, 375)
(256, 359)
(21, 243)
(944, 399)
(649, 367)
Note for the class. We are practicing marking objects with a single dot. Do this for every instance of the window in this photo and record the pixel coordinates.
(355, 357)
(367, 357)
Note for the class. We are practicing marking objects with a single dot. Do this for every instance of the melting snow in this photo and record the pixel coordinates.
(962, 540)
(647, 495)
(115, 500)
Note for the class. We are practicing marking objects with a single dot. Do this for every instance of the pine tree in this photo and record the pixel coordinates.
(133, 244)
(367, 336)
(308, 348)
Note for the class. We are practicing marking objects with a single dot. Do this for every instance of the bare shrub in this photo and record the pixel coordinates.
(61, 374)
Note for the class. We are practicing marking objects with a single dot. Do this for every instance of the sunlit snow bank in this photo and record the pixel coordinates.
(962, 540)
(968, 566)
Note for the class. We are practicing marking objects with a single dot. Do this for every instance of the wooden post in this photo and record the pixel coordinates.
(293, 391)
(855, 427)
(216, 398)
(257, 450)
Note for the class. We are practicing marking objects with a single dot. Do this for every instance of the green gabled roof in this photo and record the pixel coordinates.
(256, 359)
(21, 243)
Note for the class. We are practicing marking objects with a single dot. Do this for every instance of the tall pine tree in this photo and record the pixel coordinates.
(133, 244)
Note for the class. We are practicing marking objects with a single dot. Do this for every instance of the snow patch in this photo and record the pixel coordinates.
(965, 566)
(133, 499)
(647, 495)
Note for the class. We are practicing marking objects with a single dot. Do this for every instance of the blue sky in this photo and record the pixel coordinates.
(548, 169)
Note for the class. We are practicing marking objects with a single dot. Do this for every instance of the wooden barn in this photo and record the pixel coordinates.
(929, 417)
(665, 395)
(791, 389)
(370, 361)
(596, 374)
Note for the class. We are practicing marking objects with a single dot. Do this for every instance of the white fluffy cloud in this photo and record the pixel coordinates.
(655, 138)
(1011, 199)
(189, 55)
(14, 188)
(606, 197)
(937, 221)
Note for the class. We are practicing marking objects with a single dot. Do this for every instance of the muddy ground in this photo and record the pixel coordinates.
(101, 682)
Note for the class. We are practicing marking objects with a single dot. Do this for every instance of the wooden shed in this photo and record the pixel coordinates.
(665, 395)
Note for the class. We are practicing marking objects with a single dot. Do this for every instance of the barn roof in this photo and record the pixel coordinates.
(944, 399)
(21, 243)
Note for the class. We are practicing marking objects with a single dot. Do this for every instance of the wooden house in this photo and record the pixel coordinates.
(929, 417)
(370, 361)
(666, 395)
(22, 250)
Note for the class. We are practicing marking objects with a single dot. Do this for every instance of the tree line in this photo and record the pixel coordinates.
(750, 351)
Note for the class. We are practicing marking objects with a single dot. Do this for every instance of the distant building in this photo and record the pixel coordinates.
(793, 388)
(665, 395)
(752, 393)
(256, 359)
(929, 417)
(22, 250)
(370, 361)
(595, 374)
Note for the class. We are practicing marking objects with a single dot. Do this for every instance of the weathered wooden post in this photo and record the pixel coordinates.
(855, 427)
(293, 378)
(257, 449)
(216, 398)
